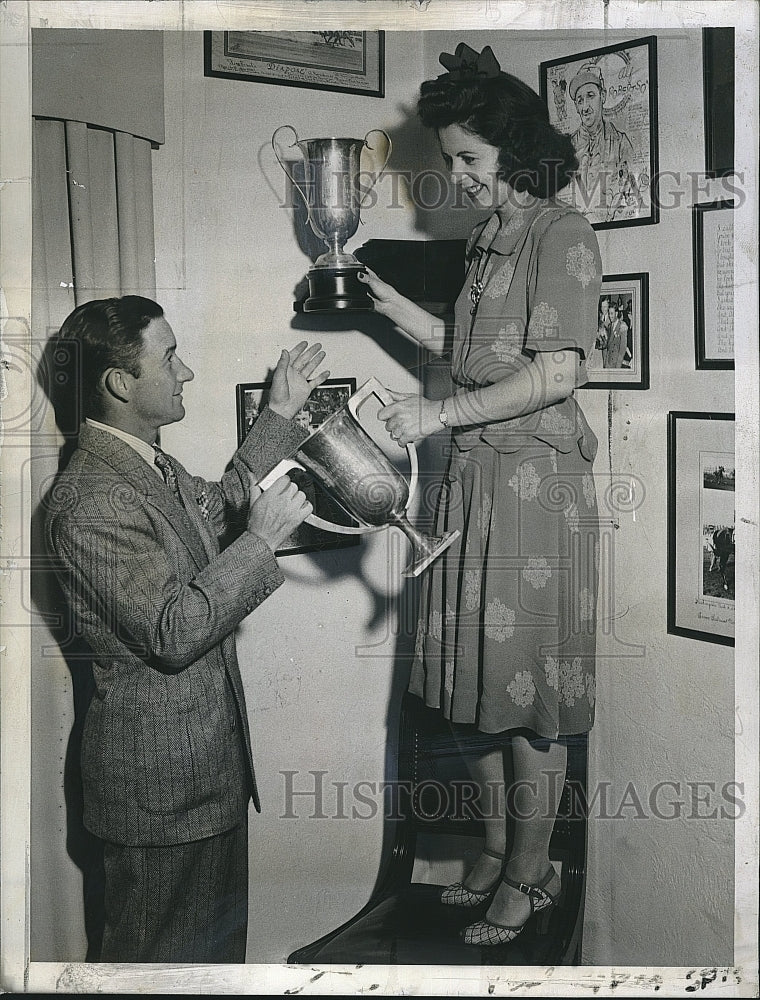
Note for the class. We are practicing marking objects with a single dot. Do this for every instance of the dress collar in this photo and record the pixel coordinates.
(504, 239)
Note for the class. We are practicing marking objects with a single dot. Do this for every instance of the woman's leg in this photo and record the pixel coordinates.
(539, 776)
(487, 771)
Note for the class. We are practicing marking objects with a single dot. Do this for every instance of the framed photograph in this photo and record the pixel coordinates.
(348, 61)
(713, 256)
(718, 88)
(324, 400)
(701, 518)
(620, 357)
(606, 100)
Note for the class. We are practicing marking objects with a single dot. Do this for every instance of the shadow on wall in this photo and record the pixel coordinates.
(84, 849)
(399, 190)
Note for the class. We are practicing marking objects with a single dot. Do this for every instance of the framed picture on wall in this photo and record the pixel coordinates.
(606, 100)
(351, 62)
(718, 88)
(713, 256)
(324, 400)
(701, 519)
(620, 357)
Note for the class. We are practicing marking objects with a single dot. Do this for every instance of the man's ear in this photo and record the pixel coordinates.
(115, 382)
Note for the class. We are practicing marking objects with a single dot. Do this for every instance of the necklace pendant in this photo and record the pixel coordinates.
(476, 290)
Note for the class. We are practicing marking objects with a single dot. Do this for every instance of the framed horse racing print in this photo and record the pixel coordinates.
(701, 519)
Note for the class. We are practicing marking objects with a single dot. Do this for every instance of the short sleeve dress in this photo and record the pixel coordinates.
(506, 636)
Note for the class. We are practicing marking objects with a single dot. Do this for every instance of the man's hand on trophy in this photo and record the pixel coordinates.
(275, 513)
(294, 378)
(410, 417)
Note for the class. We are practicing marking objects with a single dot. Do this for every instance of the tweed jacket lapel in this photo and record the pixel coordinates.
(132, 467)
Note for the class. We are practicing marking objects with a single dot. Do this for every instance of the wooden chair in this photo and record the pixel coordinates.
(403, 922)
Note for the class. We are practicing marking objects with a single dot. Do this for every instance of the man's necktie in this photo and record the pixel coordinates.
(168, 471)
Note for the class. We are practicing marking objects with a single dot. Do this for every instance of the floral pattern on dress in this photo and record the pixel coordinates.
(581, 264)
(507, 343)
(515, 222)
(448, 677)
(499, 621)
(419, 642)
(544, 322)
(591, 689)
(537, 572)
(500, 281)
(526, 483)
(471, 589)
(567, 679)
(555, 422)
(587, 604)
(436, 625)
(572, 518)
(522, 690)
(589, 491)
(484, 514)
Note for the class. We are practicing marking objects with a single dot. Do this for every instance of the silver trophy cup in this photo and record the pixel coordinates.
(345, 459)
(333, 195)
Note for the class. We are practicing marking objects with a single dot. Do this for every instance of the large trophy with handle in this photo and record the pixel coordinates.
(345, 459)
(333, 195)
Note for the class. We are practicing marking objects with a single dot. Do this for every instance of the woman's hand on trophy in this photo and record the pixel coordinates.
(410, 417)
(384, 296)
(294, 378)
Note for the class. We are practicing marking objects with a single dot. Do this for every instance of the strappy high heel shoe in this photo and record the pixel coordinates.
(488, 933)
(458, 894)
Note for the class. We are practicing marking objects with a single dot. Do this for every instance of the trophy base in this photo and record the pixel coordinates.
(433, 548)
(333, 289)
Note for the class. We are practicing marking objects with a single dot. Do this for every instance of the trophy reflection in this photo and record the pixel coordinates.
(345, 459)
(333, 196)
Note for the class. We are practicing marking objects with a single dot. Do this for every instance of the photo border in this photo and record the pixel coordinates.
(19, 973)
(642, 278)
(650, 41)
(702, 362)
(675, 627)
(376, 90)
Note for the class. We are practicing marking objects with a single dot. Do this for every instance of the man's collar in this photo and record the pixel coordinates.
(143, 449)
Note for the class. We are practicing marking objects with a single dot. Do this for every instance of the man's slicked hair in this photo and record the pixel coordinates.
(107, 333)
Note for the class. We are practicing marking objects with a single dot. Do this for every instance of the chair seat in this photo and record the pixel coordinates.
(412, 927)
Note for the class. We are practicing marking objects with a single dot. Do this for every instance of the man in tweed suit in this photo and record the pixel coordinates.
(166, 753)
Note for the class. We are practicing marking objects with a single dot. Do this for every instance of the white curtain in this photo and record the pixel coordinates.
(92, 237)
(93, 217)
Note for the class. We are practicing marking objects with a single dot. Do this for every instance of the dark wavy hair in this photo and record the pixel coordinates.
(507, 114)
(103, 334)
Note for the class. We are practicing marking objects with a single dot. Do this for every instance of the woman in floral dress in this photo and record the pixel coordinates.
(506, 640)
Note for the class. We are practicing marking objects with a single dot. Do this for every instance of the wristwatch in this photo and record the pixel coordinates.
(443, 415)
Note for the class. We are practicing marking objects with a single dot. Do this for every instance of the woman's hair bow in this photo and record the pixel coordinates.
(467, 64)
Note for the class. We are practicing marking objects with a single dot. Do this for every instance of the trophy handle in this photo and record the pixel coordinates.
(314, 519)
(373, 387)
(284, 163)
(376, 176)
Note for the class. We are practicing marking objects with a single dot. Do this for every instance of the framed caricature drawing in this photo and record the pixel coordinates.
(606, 100)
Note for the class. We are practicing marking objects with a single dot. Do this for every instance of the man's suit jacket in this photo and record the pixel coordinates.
(163, 761)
